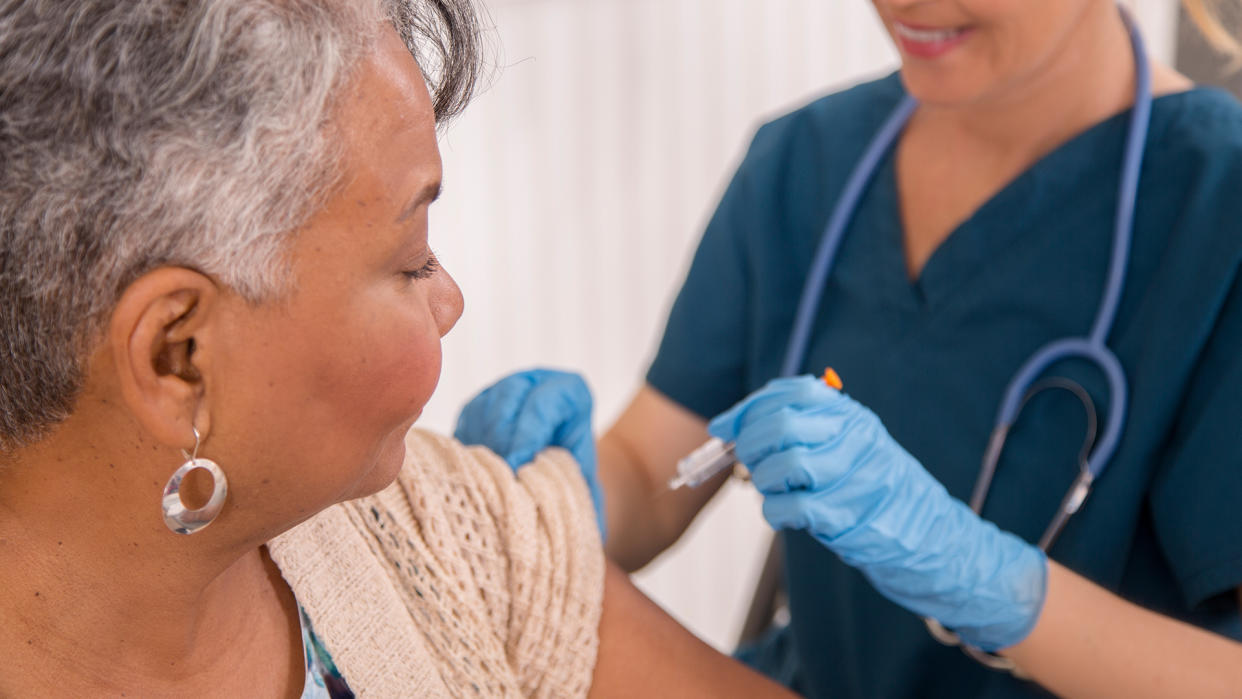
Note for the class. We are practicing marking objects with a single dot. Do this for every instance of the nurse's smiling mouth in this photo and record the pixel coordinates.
(929, 42)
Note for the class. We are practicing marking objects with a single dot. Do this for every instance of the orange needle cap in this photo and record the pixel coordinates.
(833, 379)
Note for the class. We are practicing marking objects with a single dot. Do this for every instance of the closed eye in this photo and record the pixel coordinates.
(427, 270)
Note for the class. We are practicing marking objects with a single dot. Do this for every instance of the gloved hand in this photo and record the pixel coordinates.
(527, 412)
(826, 464)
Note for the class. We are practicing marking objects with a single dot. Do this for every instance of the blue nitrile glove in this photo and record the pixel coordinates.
(527, 412)
(826, 464)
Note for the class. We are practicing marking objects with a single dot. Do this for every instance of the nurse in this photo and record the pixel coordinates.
(985, 232)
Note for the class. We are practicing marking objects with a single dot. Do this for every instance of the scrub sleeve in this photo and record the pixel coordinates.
(1196, 495)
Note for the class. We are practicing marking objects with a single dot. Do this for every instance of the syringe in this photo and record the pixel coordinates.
(714, 455)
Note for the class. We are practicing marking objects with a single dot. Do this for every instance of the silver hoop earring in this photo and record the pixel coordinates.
(179, 518)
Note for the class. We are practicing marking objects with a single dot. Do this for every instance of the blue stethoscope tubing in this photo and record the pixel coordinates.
(1092, 348)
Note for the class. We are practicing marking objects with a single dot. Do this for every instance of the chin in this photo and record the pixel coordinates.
(947, 88)
(384, 469)
(933, 92)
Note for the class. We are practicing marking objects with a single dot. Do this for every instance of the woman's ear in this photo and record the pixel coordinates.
(159, 337)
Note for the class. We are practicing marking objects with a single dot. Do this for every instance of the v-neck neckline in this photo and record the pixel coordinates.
(1003, 219)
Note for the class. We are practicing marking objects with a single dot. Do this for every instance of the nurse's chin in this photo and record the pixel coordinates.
(943, 88)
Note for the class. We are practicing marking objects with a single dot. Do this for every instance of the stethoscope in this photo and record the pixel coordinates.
(1094, 457)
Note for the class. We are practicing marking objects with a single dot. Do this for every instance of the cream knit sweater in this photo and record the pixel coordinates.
(457, 580)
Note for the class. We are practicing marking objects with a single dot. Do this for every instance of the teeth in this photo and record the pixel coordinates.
(925, 35)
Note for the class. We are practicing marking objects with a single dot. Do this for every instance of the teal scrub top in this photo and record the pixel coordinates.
(932, 357)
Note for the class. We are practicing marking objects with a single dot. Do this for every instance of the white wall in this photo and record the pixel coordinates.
(576, 188)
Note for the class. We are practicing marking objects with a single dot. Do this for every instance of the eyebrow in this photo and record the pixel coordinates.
(426, 195)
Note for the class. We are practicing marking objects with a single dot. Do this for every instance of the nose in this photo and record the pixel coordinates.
(447, 302)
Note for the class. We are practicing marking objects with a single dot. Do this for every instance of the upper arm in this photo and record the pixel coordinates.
(644, 653)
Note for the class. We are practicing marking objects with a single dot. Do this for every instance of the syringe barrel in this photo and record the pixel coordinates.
(712, 457)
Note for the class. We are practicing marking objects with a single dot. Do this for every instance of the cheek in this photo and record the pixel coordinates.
(335, 387)
(388, 393)
(398, 364)
(408, 360)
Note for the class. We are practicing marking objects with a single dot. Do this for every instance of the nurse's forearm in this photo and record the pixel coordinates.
(630, 535)
(637, 457)
(644, 517)
(1091, 643)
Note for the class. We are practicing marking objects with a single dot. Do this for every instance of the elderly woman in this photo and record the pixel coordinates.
(220, 319)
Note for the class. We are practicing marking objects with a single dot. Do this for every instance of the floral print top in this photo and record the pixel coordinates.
(323, 680)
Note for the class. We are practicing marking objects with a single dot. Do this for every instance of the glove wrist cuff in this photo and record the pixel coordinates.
(1029, 590)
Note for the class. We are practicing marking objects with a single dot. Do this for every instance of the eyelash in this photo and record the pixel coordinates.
(431, 267)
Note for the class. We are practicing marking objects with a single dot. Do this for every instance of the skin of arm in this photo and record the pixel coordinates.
(644, 653)
(637, 457)
(1090, 643)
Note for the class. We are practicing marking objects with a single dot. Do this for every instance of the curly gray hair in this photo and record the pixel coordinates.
(135, 135)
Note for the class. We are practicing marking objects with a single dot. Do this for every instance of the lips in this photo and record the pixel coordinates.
(929, 42)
